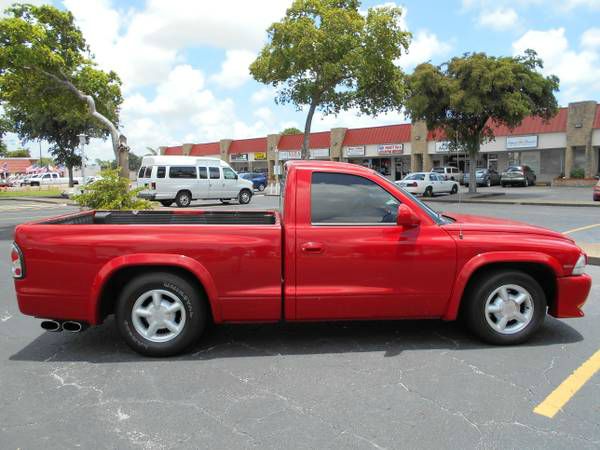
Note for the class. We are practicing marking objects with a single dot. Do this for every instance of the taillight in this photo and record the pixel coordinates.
(16, 259)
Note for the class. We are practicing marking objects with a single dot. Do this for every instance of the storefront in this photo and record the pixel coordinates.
(389, 160)
(249, 162)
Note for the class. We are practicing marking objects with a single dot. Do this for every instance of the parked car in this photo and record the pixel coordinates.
(181, 179)
(597, 192)
(259, 180)
(76, 190)
(50, 178)
(521, 175)
(427, 184)
(484, 177)
(450, 173)
(353, 246)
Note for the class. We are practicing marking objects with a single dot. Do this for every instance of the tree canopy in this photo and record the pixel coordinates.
(50, 88)
(466, 96)
(326, 55)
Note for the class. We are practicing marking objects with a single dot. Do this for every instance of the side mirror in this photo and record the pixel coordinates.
(406, 217)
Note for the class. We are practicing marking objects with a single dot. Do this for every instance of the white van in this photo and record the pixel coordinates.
(181, 179)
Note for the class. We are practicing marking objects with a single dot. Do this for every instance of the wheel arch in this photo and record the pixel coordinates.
(543, 268)
(119, 270)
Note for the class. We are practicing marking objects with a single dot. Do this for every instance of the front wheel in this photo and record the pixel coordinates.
(245, 197)
(261, 187)
(160, 314)
(505, 307)
(428, 192)
(454, 189)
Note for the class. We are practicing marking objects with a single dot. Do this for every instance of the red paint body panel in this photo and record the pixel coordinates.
(264, 273)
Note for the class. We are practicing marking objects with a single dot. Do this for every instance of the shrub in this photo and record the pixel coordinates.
(111, 192)
(577, 173)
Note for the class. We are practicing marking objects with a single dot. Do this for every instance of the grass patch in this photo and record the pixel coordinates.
(54, 192)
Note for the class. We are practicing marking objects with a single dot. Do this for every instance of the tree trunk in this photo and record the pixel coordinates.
(472, 166)
(70, 172)
(305, 154)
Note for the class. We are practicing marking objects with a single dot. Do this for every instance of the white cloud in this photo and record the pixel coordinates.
(424, 47)
(591, 38)
(234, 70)
(499, 18)
(576, 69)
(353, 119)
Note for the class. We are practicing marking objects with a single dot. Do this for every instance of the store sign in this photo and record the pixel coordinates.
(355, 151)
(289, 154)
(260, 156)
(238, 157)
(390, 149)
(319, 153)
(442, 147)
(522, 141)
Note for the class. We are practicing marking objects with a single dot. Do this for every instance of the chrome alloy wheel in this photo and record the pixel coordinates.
(158, 315)
(509, 309)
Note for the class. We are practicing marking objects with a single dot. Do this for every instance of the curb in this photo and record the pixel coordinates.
(516, 202)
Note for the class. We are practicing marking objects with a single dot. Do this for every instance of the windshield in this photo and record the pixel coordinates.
(514, 169)
(480, 171)
(438, 170)
(436, 216)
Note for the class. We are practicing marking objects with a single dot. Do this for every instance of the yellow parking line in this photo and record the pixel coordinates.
(568, 388)
(587, 227)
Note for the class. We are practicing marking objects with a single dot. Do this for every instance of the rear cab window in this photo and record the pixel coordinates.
(215, 173)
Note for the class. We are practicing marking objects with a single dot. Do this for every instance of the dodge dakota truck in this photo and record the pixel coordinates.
(347, 244)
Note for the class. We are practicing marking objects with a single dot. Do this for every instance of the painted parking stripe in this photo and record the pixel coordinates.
(568, 388)
(587, 227)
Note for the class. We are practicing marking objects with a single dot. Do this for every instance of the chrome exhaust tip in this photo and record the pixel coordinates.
(72, 326)
(51, 325)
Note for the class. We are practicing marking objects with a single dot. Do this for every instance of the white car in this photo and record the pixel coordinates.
(77, 189)
(181, 179)
(427, 184)
(450, 173)
(50, 178)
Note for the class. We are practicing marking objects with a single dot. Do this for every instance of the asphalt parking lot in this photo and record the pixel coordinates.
(402, 384)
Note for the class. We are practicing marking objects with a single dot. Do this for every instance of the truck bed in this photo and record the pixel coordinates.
(177, 217)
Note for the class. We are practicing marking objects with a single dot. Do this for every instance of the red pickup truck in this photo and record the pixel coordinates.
(348, 245)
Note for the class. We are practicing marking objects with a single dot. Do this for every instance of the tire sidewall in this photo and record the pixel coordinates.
(241, 196)
(475, 308)
(195, 309)
(181, 195)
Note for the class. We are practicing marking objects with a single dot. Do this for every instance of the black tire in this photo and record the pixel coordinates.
(196, 313)
(503, 184)
(34, 183)
(454, 189)
(183, 199)
(166, 203)
(476, 318)
(428, 192)
(261, 187)
(244, 197)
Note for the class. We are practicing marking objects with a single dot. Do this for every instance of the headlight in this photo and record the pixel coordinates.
(579, 265)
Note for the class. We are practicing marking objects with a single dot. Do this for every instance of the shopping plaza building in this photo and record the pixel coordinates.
(553, 148)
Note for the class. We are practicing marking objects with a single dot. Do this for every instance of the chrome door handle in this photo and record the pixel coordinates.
(312, 247)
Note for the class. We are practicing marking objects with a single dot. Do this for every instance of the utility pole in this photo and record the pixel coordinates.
(82, 138)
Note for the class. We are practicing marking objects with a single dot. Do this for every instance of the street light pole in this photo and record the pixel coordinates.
(82, 138)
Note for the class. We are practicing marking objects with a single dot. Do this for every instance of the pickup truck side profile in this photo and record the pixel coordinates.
(347, 245)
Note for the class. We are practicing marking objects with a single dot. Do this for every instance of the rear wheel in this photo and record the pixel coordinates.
(454, 189)
(428, 192)
(505, 307)
(183, 199)
(261, 187)
(166, 202)
(244, 197)
(160, 314)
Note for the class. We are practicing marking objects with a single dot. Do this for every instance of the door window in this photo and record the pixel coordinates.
(161, 172)
(349, 199)
(203, 171)
(182, 172)
(141, 172)
(228, 174)
(215, 173)
(148, 172)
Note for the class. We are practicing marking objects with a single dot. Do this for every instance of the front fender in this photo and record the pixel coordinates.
(484, 259)
(152, 259)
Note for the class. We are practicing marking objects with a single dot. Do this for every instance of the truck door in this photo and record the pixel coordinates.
(354, 262)
(230, 183)
(215, 182)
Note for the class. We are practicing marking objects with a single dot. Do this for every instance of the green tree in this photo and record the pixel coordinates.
(326, 55)
(135, 161)
(111, 192)
(49, 86)
(291, 130)
(19, 153)
(468, 95)
(3, 149)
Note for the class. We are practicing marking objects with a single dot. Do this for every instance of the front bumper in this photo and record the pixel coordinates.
(571, 294)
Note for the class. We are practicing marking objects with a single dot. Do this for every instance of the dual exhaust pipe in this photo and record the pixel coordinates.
(70, 326)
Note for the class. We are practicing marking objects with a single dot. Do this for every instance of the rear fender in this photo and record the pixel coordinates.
(152, 259)
(484, 259)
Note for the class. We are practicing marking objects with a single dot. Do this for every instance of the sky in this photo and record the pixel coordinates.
(184, 63)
